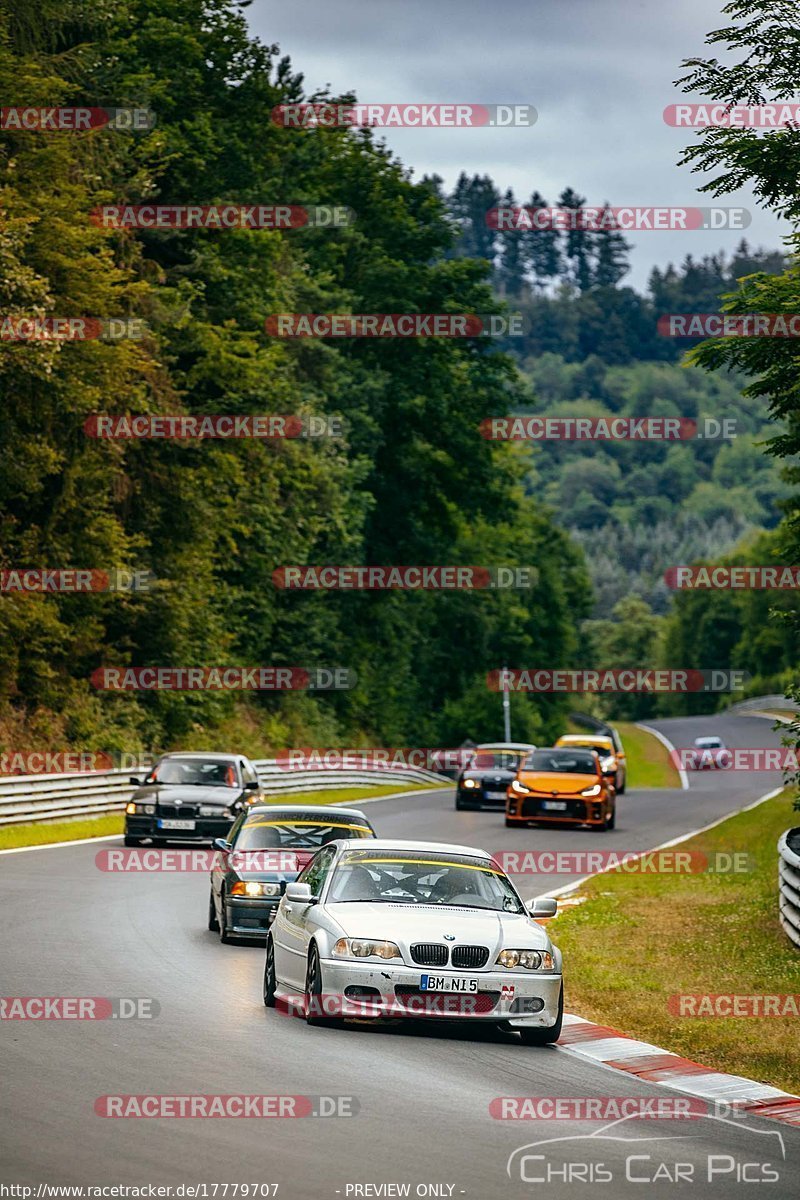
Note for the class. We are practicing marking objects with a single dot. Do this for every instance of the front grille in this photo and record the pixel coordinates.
(429, 954)
(470, 957)
(173, 811)
(445, 1004)
(532, 807)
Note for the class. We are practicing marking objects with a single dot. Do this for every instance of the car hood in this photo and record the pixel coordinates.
(177, 795)
(406, 924)
(558, 783)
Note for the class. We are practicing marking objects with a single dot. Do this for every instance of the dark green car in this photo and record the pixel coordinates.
(267, 847)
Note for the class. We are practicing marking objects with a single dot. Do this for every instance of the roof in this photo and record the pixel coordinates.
(323, 809)
(400, 844)
(505, 746)
(580, 739)
(201, 754)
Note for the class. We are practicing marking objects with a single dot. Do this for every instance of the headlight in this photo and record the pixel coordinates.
(594, 790)
(530, 960)
(519, 787)
(211, 810)
(254, 888)
(130, 807)
(469, 783)
(365, 948)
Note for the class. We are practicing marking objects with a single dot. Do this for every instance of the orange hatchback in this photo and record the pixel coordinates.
(562, 787)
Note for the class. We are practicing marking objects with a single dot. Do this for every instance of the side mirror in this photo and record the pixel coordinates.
(136, 782)
(252, 786)
(545, 907)
(299, 892)
(221, 844)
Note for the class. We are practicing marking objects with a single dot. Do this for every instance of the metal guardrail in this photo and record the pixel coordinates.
(48, 797)
(789, 884)
(756, 702)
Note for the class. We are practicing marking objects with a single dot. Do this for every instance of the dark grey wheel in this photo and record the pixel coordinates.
(213, 923)
(314, 988)
(533, 1036)
(222, 926)
(132, 841)
(270, 979)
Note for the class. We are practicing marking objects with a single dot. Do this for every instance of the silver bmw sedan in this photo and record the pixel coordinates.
(413, 929)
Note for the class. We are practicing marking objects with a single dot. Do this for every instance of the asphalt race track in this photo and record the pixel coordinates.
(423, 1092)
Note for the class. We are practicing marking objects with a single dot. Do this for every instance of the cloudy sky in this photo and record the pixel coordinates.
(599, 73)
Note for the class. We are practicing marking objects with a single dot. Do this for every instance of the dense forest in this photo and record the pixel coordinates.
(410, 482)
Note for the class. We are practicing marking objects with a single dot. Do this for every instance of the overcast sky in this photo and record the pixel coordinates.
(599, 73)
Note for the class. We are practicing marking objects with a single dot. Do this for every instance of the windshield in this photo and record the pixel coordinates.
(195, 772)
(297, 834)
(421, 878)
(580, 762)
(494, 760)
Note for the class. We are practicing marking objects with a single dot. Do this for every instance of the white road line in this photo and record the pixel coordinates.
(666, 742)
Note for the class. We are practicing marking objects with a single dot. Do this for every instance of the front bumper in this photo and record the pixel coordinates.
(579, 811)
(250, 916)
(398, 994)
(205, 828)
(481, 797)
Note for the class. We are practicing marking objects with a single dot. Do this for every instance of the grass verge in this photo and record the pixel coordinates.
(40, 833)
(649, 764)
(638, 939)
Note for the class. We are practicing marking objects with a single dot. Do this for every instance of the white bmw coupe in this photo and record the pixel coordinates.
(413, 929)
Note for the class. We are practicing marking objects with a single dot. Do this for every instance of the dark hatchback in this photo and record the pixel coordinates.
(190, 797)
(267, 848)
(490, 772)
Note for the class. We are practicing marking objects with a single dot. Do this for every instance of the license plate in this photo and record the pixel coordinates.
(447, 983)
(495, 795)
(170, 824)
(555, 805)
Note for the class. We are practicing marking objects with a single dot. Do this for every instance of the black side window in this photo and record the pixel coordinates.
(317, 870)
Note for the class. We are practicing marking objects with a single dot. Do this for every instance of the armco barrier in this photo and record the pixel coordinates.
(789, 884)
(48, 797)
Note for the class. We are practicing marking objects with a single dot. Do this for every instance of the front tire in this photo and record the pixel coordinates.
(129, 840)
(222, 925)
(213, 923)
(270, 978)
(313, 994)
(531, 1036)
(611, 823)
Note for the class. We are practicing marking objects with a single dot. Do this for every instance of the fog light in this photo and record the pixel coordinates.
(527, 1004)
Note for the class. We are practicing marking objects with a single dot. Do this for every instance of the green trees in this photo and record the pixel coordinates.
(411, 481)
